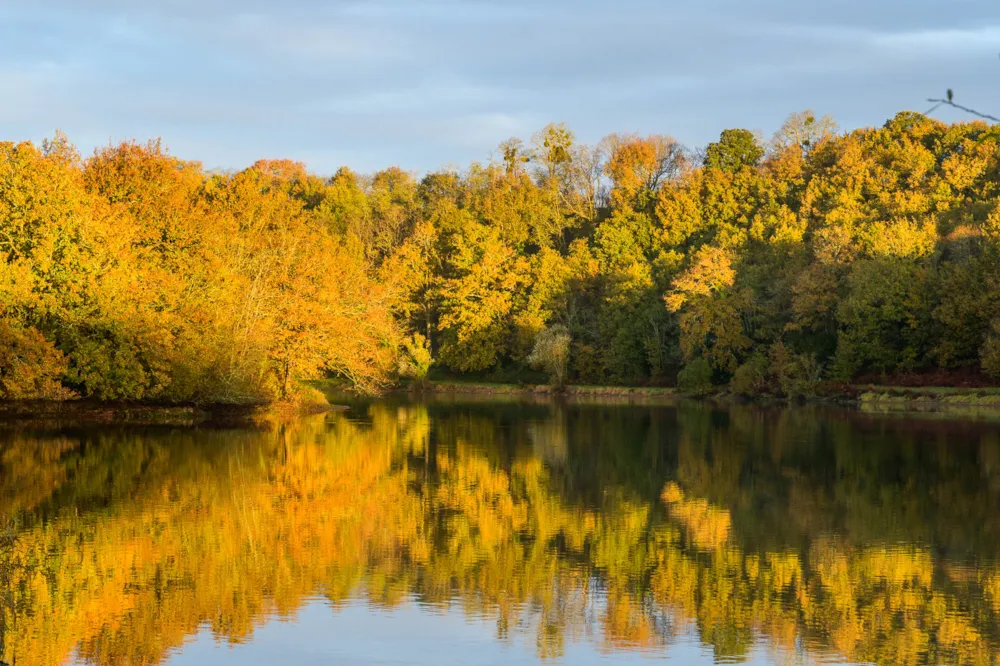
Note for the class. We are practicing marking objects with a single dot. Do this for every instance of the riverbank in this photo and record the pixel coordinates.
(108, 413)
(884, 398)
(93, 412)
(866, 397)
(487, 388)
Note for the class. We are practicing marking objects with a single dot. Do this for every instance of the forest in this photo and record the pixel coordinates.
(760, 266)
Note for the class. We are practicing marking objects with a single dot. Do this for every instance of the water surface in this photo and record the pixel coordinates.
(506, 532)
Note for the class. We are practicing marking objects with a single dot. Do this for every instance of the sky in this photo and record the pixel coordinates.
(427, 84)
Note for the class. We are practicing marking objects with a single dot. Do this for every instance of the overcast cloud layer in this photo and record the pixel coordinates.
(426, 84)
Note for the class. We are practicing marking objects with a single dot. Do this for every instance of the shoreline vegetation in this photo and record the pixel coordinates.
(867, 396)
(496, 388)
(303, 401)
(803, 267)
(870, 398)
(86, 412)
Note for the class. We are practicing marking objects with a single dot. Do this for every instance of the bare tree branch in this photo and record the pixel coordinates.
(949, 102)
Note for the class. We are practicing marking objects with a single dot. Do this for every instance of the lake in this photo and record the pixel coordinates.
(488, 531)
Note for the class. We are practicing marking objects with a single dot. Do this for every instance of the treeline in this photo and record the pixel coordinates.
(766, 265)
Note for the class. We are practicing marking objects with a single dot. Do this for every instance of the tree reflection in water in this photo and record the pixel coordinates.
(809, 532)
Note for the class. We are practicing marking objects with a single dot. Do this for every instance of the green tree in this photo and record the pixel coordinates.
(735, 149)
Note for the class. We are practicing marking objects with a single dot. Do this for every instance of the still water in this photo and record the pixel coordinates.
(489, 532)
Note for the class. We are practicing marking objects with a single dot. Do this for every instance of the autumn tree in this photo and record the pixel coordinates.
(551, 353)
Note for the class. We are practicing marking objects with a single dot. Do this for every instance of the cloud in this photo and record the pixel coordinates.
(478, 129)
(983, 40)
(319, 41)
(423, 83)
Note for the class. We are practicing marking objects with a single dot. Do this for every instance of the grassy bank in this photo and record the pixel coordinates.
(927, 397)
(313, 398)
(868, 397)
(489, 388)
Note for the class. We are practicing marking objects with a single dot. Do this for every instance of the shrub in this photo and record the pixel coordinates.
(989, 353)
(752, 377)
(30, 366)
(551, 353)
(415, 361)
(586, 363)
(797, 374)
(695, 377)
